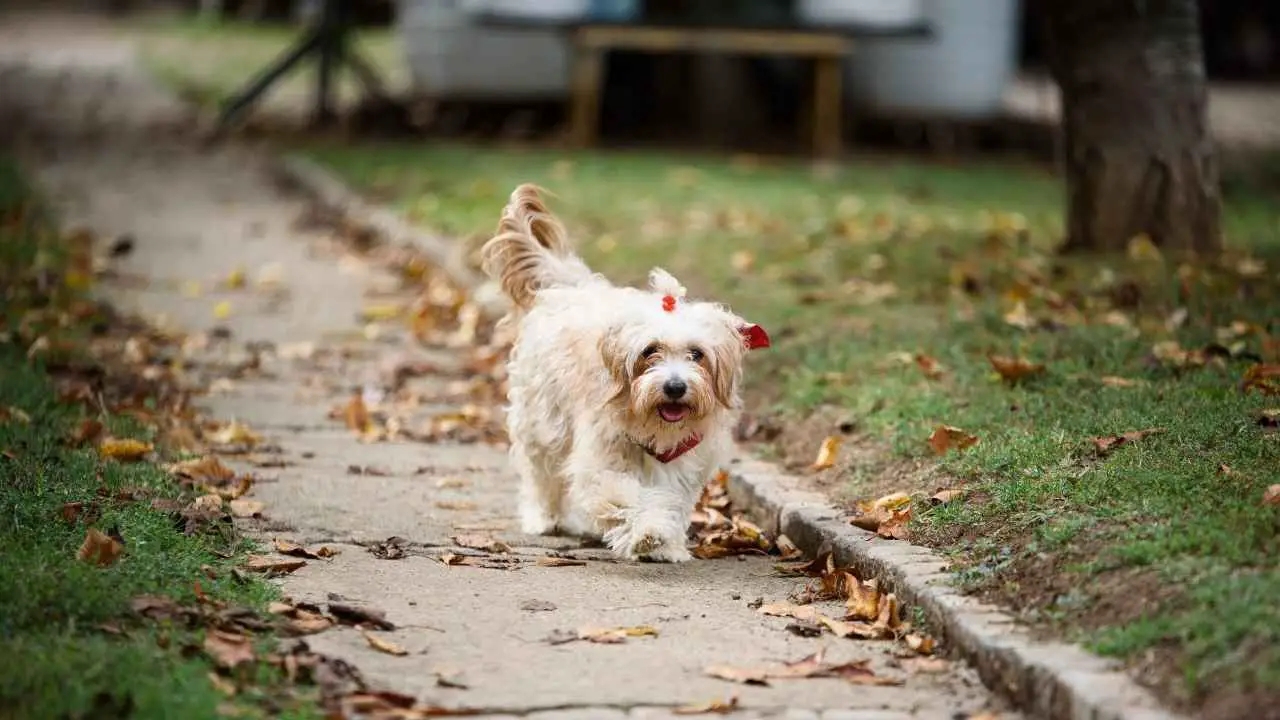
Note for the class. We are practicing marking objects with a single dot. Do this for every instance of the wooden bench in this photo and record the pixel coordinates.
(827, 47)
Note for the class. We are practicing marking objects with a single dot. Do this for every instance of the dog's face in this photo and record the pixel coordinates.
(676, 364)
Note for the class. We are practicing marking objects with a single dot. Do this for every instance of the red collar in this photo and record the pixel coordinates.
(685, 446)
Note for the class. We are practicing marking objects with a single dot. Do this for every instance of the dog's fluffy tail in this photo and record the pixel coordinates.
(530, 251)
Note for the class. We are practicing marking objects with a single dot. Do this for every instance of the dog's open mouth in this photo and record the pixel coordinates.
(673, 412)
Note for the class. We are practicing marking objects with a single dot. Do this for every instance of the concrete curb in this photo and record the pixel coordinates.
(1052, 680)
(1046, 679)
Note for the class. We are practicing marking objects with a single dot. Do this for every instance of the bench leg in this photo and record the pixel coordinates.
(585, 114)
(827, 103)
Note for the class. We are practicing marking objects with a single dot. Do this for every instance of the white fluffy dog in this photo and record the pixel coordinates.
(622, 401)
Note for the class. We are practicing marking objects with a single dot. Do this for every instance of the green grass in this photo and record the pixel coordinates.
(848, 268)
(58, 662)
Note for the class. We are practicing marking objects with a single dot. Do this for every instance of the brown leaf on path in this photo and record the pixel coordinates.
(746, 676)
(356, 415)
(1107, 443)
(450, 483)
(857, 673)
(949, 437)
(383, 645)
(285, 547)
(1264, 378)
(888, 617)
(455, 505)
(244, 508)
(719, 707)
(612, 636)
(931, 368)
(481, 542)
(305, 622)
(552, 561)
(922, 644)
(263, 564)
(227, 649)
(235, 433)
(393, 548)
(124, 449)
(807, 613)
(786, 548)
(827, 453)
(1272, 495)
(925, 665)
(349, 614)
(1013, 369)
(863, 602)
(99, 548)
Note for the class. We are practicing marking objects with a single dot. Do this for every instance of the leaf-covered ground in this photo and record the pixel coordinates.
(927, 338)
(120, 591)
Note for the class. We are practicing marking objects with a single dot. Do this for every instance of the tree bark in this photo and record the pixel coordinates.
(1139, 155)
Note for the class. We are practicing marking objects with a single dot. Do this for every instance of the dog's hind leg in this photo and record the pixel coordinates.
(540, 494)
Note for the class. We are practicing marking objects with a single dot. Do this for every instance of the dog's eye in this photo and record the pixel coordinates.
(649, 352)
(695, 355)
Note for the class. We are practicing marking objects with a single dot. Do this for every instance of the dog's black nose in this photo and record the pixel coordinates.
(674, 388)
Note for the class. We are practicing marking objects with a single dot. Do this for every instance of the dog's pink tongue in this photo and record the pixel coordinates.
(672, 412)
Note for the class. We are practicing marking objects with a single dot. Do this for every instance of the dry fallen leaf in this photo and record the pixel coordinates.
(481, 542)
(284, 547)
(922, 644)
(71, 512)
(942, 497)
(925, 665)
(356, 415)
(886, 516)
(809, 667)
(207, 470)
(99, 548)
(124, 449)
(863, 602)
(243, 508)
(228, 649)
(1107, 443)
(1013, 369)
(455, 505)
(610, 636)
(1263, 378)
(384, 646)
(1272, 495)
(549, 561)
(786, 609)
(1120, 382)
(929, 366)
(721, 707)
(262, 564)
(827, 453)
(86, 432)
(949, 437)
(235, 433)
(450, 483)
(1019, 317)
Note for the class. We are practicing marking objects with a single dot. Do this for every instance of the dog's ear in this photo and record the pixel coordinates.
(613, 353)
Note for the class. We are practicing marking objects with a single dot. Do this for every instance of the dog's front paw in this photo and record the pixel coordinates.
(635, 540)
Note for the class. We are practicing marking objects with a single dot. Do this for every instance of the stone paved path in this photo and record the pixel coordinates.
(86, 122)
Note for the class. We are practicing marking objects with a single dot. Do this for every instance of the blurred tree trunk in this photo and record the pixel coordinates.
(1138, 151)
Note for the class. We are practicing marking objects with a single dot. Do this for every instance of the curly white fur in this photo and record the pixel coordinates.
(595, 377)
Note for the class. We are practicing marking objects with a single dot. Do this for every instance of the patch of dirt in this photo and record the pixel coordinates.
(863, 470)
